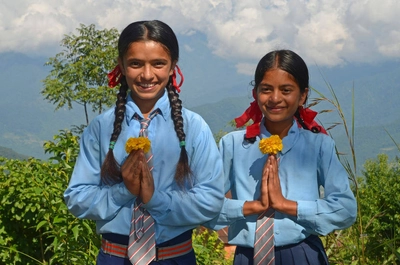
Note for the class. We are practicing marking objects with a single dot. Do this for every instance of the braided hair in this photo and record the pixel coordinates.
(160, 32)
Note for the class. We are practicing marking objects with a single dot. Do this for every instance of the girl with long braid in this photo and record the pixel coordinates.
(181, 188)
(274, 170)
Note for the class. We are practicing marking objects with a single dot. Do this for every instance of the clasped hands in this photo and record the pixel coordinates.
(137, 176)
(270, 192)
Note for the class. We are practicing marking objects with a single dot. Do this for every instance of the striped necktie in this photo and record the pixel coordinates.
(264, 251)
(141, 248)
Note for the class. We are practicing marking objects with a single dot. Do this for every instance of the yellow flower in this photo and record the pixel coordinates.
(137, 143)
(271, 145)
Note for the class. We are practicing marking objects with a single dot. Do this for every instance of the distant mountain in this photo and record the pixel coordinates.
(369, 140)
(11, 154)
(27, 120)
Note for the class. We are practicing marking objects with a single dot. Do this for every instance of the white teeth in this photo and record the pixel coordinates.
(147, 85)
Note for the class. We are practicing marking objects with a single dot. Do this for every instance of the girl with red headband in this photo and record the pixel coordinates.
(276, 211)
(146, 205)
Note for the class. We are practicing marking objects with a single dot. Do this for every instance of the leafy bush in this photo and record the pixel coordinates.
(380, 203)
(35, 225)
(209, 248)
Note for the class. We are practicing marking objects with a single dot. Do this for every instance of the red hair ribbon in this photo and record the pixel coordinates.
(308, 115)
(251, 113)
(114, 77)
(254, 113)
(174, 83)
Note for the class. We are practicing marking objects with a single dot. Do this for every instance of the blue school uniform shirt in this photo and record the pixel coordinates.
(307, 161)
(174, 211)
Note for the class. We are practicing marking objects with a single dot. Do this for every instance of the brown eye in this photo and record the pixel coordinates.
(134, 64)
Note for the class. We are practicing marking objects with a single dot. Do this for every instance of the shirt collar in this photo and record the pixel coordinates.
(162, 104)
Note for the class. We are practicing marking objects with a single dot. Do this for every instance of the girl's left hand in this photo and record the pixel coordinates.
(276, 198)
(147, 183)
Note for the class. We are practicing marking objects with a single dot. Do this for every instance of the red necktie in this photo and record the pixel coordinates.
(264, 251)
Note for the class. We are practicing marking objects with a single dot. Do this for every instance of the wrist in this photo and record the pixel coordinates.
(253, 207)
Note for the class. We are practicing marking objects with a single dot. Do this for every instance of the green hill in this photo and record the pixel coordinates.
(11, 154)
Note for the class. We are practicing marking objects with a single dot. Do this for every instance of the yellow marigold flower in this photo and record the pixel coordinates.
(137, 143)
(271, 145)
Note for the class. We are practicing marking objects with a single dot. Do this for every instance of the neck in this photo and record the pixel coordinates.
(145, 106)
(278, 129)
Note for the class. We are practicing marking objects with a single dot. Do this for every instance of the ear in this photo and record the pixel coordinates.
(173, 64)
(303, 97)
(121, 65)
(254, 92)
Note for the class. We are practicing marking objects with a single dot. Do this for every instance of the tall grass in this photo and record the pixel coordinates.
(349, 165)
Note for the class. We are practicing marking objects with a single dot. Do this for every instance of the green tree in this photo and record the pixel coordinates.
(79, 72)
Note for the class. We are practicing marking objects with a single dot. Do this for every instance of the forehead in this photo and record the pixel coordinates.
(277, 76)
(146, 50)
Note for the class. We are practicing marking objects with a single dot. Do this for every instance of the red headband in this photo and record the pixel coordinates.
(254, 113)
(114, 77)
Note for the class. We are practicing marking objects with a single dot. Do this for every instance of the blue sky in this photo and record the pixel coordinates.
(221, 40)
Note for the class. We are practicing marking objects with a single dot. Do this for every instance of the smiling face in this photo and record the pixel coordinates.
(147, 67)
(279, 96)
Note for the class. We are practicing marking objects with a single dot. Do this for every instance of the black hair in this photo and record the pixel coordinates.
(159, 32)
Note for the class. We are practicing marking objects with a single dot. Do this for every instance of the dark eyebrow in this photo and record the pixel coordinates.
(286, 85)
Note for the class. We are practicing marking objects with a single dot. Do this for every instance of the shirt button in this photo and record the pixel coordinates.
(277, 232)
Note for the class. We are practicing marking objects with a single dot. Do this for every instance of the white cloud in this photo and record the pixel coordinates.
(188, 48)
(325, 32)
(246, 68)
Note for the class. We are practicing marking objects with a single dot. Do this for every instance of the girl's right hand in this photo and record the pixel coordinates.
(264, 194)
(131, 172)
(263, 203)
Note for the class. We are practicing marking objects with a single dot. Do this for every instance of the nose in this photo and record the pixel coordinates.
(275, 96)
(147, 73)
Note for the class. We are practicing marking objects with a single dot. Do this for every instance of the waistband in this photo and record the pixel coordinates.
(311, 239)
(117, 245)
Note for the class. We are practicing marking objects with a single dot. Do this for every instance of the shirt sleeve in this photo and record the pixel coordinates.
(85, 196)
(203, 200)
(232, 209)
(338, 208)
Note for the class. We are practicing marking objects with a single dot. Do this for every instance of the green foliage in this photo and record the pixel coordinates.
(380, 203)
(79, 73)
(209, 248)
(35, 225)
(37, 228)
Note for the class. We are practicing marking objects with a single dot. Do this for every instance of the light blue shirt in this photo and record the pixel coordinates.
(307, 162)
(173, 209)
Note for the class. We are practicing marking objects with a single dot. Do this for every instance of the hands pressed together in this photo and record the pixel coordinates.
(271, 193)
(137, 176)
